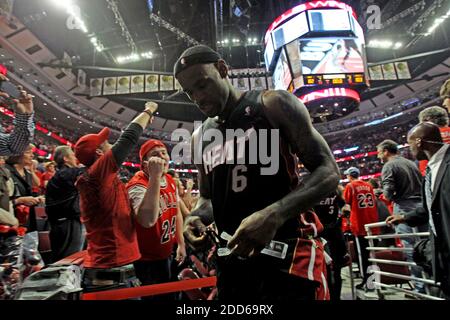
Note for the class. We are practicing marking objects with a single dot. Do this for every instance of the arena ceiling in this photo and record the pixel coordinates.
(209, 22)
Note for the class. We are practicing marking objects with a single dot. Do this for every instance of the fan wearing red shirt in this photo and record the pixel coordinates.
(438, 116)
(361, 198)
(105, 208)
(153, 193)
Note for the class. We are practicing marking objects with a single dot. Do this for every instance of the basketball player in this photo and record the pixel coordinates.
(252, 207)
(328, 211)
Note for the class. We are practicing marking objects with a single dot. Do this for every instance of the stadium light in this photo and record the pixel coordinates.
(437, 22)
(384, 44)
(135, 57)
(147, 55)
(62, 3)
(97, 45)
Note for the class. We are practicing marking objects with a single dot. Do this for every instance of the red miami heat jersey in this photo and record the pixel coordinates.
(445, 134)
(359, 195)
(157, 242)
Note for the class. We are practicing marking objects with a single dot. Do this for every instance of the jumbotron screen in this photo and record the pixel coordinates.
(324, 61)
(282, 77)
(324, 45)
(331, 55)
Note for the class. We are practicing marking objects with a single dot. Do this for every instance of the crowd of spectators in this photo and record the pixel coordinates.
(419, 99)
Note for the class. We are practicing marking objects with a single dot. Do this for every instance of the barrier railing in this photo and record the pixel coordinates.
(375, 261)
(156, 289)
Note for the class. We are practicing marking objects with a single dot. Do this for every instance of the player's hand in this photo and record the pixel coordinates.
(254, 233)
(194, 233)
(151, 106)
(395, 219)
(181, 254)
(155, 167)
(25, 102)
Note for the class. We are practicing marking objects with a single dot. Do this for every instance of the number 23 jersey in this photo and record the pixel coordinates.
(359, 195)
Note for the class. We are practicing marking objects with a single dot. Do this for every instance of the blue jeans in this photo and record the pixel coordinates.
(107, 279)
(405, 207)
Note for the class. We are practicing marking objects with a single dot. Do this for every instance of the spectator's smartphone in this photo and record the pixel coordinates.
(10, 89)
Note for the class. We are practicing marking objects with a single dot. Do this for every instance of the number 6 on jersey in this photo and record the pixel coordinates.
(239, 181)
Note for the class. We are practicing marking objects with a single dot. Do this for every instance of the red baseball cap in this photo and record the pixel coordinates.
(149, 145)
(86, 146)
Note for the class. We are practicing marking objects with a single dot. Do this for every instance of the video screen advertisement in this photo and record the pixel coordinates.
(325, 61)
(282, 77)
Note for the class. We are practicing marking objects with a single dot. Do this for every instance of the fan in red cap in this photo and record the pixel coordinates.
(149, 145)
(153, 193)
(105, 209)
(86, 148)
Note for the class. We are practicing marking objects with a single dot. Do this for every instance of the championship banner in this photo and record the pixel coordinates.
(375, 73)
(389, 71)
(110, 86)
(137, 84)
(123, 85)
(96, 87)
(166, 83)
(402, 70)
(152, 83)
(241, 79)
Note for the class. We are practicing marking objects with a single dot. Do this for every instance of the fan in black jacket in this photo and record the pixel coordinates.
(426, 144)
(63, 207)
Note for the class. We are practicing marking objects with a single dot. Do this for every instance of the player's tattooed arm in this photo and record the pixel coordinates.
(203, 208)
(202, 215)
(290, 116)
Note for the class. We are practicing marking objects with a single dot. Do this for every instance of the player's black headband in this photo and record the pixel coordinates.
(188, 60)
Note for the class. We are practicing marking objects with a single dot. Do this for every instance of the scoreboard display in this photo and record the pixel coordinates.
(337, 79)
(316, 44)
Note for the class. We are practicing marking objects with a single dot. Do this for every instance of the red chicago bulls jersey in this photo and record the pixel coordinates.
(157, 242)
(445, 134)
(359, 195)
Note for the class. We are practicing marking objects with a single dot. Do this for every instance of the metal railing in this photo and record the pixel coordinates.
(375, 261)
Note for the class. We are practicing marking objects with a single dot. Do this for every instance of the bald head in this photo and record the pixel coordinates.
(424, 140)
(426, 131)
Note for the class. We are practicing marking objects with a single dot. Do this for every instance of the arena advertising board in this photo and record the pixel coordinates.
(282, 77)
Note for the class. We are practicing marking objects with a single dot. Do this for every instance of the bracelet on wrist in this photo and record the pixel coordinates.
(149, 113)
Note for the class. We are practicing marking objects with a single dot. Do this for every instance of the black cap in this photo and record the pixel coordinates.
(200, 54)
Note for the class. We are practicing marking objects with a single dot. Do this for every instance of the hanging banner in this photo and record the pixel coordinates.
(110, 86)
(137, 84)
(96, 87)
(402, 70)
(123, 85)
(152, 83)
